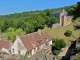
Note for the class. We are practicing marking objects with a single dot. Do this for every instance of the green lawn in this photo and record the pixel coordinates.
(58, 32)
(4, 36)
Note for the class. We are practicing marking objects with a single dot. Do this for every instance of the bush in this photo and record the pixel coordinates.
(57, 45)
(77, 58)
(68, 33)
(56, 52)
(26, 55)
(60, 43)
(54, 20)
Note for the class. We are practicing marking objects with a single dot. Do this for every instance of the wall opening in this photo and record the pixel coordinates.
(19, 51)
(13, 50)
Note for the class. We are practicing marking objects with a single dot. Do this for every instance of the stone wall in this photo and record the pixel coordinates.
(52, 25)
(67, 20)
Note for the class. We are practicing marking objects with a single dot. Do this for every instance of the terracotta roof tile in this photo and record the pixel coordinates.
(4, 44)
(33, 40)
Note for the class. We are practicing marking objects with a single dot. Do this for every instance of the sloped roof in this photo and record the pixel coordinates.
(33, 40)
(60, 11)
(4, 44)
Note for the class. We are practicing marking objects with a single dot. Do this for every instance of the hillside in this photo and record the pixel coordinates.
(28, 22)
(58, 32)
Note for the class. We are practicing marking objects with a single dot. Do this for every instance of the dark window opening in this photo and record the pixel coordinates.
(13, 50)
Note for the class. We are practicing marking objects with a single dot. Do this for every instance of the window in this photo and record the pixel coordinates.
(46, 39)
(19, 51)
(35, 50)
(13, 50)
(30, 53)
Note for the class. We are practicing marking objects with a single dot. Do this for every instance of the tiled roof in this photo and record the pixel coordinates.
(33, 40)
(4, 44)
(60, 11)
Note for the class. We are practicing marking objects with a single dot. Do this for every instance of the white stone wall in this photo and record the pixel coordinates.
(36, 49)
(50, 42)
(32, 51)
(16, 47)
(5, 50)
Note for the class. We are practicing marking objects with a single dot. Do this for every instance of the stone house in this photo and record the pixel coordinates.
(63, 17)
(5, 46)
(30, 43)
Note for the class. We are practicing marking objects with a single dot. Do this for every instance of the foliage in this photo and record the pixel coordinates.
(57, 45)
(68, 33)
(20, 32)
(54, 20)
(29, 28)
(12, 36)
(12, 33)
(33, 20)
(26, 55)
(20, 20)
(47, 19)
(10, 29)
(56, 52)
(54, 40)
(77, 58)
(60, 43)
(76, 11)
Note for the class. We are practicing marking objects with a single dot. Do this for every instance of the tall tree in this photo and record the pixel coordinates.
(29, 28)
(20, 32)
(54, 20)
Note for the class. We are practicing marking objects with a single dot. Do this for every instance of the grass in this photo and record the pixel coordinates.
(58, 32)
(4, 36)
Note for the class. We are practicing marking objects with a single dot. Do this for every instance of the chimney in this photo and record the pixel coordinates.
(63, 11)
(39, 31)
(17, 36)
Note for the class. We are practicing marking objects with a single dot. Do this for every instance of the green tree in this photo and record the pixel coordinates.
(20, 32)
(29, 28)
(60, 43)
(47, 18)
(54, 20)
(21, 24)
(68, 33)
(12, 36)
(76, 12)
(57, 45)
(12, 33)
(2, 26)
(10, 29)
(48, 13)
(38, 21)
(56, 52)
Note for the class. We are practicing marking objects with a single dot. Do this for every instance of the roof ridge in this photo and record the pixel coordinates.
(28, 34)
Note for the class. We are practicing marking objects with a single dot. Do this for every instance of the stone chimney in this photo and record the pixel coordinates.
(17, 36)
(39, 31)
(63, 11)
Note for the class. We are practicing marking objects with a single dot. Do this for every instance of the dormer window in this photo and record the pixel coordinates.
(46, 39)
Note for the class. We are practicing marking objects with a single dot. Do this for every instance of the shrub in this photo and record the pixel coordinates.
(56, 52)
(26, 55)
(57, 45)
(68, 33)
(77, 58)
(60, 43)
